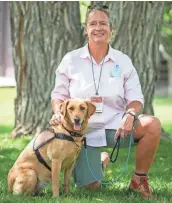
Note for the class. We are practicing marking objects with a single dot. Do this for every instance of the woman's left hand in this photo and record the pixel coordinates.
(125, 127)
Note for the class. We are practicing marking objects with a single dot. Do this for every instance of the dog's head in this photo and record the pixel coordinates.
(77, 112)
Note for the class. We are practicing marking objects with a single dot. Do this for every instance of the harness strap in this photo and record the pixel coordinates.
(56, 135)
(41, 160)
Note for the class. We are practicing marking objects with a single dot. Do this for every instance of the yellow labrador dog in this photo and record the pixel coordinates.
(57, 149)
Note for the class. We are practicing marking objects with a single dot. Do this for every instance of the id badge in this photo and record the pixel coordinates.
(98, 102)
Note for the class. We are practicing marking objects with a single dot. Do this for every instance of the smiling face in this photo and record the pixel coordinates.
(98, 27)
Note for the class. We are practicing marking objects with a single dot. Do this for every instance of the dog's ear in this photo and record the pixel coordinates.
(63, 107)
(91, 108)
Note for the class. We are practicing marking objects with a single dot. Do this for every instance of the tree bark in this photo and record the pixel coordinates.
(42, 32)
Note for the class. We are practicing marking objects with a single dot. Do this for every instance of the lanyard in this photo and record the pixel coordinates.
(97, 89)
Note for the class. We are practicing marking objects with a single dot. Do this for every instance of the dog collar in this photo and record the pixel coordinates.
(73, 134)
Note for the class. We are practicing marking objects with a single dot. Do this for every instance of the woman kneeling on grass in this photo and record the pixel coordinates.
(106, 76)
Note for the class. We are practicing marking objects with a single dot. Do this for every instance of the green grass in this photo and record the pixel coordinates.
(160, 174)
(163, 110)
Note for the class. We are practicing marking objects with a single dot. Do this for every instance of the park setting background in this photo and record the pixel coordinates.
(161, 171)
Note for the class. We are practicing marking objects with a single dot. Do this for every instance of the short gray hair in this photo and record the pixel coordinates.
(96, 7)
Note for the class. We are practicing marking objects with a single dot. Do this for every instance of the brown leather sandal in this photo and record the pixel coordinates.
(141, 185)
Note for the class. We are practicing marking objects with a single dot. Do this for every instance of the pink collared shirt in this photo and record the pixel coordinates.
(119, 85)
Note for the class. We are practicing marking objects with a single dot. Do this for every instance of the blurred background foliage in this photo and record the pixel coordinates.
(166, 32)
(83, 9)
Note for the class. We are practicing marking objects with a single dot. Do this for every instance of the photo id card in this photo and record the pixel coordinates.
(98, 102)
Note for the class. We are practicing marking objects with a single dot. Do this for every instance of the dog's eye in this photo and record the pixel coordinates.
(71, 108)
(82, 108)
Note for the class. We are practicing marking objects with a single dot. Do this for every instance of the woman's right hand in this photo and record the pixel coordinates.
(56, 119)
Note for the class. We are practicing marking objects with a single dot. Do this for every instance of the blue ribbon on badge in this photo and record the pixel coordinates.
(116, 71)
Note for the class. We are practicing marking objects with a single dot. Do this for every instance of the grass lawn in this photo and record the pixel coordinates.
(160, 174)
(163, 110)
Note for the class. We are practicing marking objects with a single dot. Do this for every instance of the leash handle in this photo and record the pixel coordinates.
(116, 148)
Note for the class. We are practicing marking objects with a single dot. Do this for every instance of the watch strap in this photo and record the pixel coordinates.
(129, 112)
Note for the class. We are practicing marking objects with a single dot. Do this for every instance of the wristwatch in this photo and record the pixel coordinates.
(132, 113)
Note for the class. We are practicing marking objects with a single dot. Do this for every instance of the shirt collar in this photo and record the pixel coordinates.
(84, 53)
(111, 54)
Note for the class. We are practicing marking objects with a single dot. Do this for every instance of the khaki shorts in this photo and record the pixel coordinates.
(81, 173)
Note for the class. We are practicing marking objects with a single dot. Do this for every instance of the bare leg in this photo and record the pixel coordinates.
(148, 132)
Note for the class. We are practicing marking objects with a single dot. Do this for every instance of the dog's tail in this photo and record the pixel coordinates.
(11, 180)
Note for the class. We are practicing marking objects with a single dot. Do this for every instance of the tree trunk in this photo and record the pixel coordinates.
(42, 32)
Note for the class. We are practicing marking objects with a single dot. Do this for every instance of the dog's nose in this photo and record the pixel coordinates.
(77, 120)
